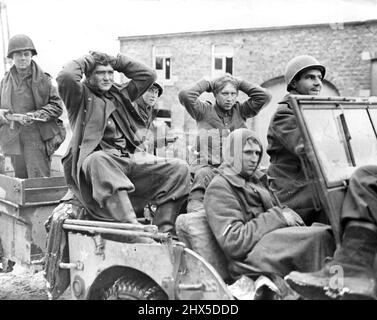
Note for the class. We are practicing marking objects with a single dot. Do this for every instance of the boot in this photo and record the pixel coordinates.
(273, 287)
(165, 216)
(120, 209)
(350, 274)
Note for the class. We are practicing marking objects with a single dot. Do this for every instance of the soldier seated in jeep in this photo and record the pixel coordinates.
(257, 234)
(303, 76)
(104, 166)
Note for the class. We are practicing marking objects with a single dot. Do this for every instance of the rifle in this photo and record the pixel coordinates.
(171, 139)
(20, 117)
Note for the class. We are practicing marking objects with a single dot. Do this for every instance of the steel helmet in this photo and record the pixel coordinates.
(299, 64)
(159, 86)
(20, 42)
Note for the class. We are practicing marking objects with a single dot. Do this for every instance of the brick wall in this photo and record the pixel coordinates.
(261, 55)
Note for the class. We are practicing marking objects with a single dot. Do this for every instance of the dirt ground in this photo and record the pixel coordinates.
(24, 284)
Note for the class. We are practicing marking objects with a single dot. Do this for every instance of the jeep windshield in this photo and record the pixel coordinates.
(342, 133)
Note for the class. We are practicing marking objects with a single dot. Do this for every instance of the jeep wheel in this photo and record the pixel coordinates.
(134, 289)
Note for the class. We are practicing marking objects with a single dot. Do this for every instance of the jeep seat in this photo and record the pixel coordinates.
(193, 230)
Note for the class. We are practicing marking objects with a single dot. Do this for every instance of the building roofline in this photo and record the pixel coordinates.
(210, 32)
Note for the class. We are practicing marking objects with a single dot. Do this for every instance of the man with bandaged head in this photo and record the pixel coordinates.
(256, 233)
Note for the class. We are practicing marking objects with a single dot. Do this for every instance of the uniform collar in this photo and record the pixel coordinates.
(237, 180)
(223, 113)
(20, 76)
(285, 100)
(141, 103)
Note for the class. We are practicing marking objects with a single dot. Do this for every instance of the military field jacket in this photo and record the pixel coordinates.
(212, 129)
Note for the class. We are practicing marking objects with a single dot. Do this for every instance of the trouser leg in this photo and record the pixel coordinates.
(154, 180)
(108, 187)
(19, 166)
(163, 182)
(119, 207)
(360, 202)
(351, 273)
(203, 175)
(34, 152)
(284, 250)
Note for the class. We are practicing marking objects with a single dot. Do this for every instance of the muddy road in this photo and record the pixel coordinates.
(23, 284)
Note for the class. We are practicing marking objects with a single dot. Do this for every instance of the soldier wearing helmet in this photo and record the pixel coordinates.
(147, 102)
(27, 90)
(147, 109)
(303, 75)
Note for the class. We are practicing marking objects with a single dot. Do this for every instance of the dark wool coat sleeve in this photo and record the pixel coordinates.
(258, 98)
(1, 89)
(54, 108)
(142, 77)
(284, 128)
(235, 230)
(189, 98)
(70, 86)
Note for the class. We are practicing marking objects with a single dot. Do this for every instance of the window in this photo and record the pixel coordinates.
(162, 62)
(222, 60)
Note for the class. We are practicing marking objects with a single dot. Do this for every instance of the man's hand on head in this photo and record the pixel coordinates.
(214, 80)
(104, 56)
(239, 80)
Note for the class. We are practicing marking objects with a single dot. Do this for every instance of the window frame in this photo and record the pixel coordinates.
(225, 52)
(164, 53)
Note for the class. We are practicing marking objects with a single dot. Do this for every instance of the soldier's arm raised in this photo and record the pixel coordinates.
(189, 98)
(142, 76)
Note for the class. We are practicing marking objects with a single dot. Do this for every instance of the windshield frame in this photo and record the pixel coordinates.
(303, 105)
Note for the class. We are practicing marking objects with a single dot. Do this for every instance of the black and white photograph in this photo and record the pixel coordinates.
(205, 152)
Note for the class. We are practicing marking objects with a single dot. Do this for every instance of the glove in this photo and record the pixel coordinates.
(291, 217)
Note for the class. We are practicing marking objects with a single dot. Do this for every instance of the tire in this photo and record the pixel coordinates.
(125, 288)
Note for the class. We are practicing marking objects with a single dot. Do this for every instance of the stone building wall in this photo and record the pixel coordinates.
(260, 56)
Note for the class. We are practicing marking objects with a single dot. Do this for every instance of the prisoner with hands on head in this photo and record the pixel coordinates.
(214, 122)
(105, 168)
